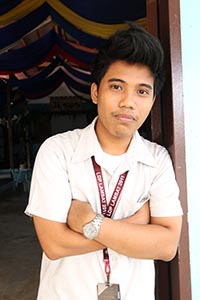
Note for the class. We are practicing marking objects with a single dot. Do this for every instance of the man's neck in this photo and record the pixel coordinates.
(114, 146)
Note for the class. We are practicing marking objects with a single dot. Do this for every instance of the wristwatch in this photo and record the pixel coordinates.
(91, 229)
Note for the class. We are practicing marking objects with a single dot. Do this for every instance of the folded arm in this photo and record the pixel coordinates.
(155, 240)
(58, 240)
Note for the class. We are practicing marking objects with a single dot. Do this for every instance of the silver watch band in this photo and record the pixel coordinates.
(98, 220)
(91, 229)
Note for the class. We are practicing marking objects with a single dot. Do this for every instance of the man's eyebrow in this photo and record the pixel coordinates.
(146, 85)
(116, 79)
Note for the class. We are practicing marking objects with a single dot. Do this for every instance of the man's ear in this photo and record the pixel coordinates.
(94, 93)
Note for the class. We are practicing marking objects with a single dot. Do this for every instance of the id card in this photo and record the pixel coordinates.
(108, 291)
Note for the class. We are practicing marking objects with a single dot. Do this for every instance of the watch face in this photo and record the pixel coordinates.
(90, 231)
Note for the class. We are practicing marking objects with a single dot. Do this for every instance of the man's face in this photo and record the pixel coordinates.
(124, 99)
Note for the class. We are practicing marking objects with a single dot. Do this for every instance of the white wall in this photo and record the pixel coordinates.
(190, 32)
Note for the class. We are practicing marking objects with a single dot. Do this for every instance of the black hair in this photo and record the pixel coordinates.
(132, 45)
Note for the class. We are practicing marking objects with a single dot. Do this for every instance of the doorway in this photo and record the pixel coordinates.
(167, 128)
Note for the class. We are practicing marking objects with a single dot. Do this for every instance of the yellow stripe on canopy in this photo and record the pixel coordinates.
(94, 28)
(98, 29)
(21, 10)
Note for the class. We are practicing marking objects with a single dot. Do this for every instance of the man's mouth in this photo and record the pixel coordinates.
(124, 117)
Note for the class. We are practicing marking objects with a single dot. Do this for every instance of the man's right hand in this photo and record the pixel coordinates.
(142, 216)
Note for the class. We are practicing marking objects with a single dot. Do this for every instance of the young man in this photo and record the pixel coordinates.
(116, 190)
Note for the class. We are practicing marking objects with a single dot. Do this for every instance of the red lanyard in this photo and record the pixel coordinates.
(108, 209)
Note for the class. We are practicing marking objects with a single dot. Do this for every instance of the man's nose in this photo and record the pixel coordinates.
(128, 100)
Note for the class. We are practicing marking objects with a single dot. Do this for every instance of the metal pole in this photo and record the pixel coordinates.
(9, 126)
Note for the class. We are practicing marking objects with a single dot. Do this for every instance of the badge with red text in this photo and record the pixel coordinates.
(109, 291)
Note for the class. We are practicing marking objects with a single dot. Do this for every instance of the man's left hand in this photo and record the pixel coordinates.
(80, 213)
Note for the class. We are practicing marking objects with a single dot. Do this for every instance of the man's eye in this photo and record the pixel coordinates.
(143, 92)
(116, 87)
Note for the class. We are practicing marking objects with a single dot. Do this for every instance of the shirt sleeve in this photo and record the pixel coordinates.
(50, 193)
(164, 193)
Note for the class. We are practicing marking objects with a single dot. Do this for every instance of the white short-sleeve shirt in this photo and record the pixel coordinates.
(63, 171)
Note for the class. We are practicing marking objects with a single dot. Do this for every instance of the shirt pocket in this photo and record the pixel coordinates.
(134, 196)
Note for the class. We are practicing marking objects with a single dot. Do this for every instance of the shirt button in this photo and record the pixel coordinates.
(113, 257)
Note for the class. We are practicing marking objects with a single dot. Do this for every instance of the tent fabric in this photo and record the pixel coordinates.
(107, 11)
(91, 27)
(16, 30)
(34, 79)
(6, 5)
(56, 73)
(79, 74)
(49, 84)
(28, 56)
(23, 8)
(97, 11)
(95, 28)
(43, 49)
(46, 87)
(86, 24)
(81, 36)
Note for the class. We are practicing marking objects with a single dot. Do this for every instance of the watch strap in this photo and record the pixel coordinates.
(98, 220)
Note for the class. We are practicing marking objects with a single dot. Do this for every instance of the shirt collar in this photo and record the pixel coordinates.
(138, 150)
(86, 145)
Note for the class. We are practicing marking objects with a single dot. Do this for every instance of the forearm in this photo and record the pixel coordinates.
(136, 236)
(57, 240)
(151, 241)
